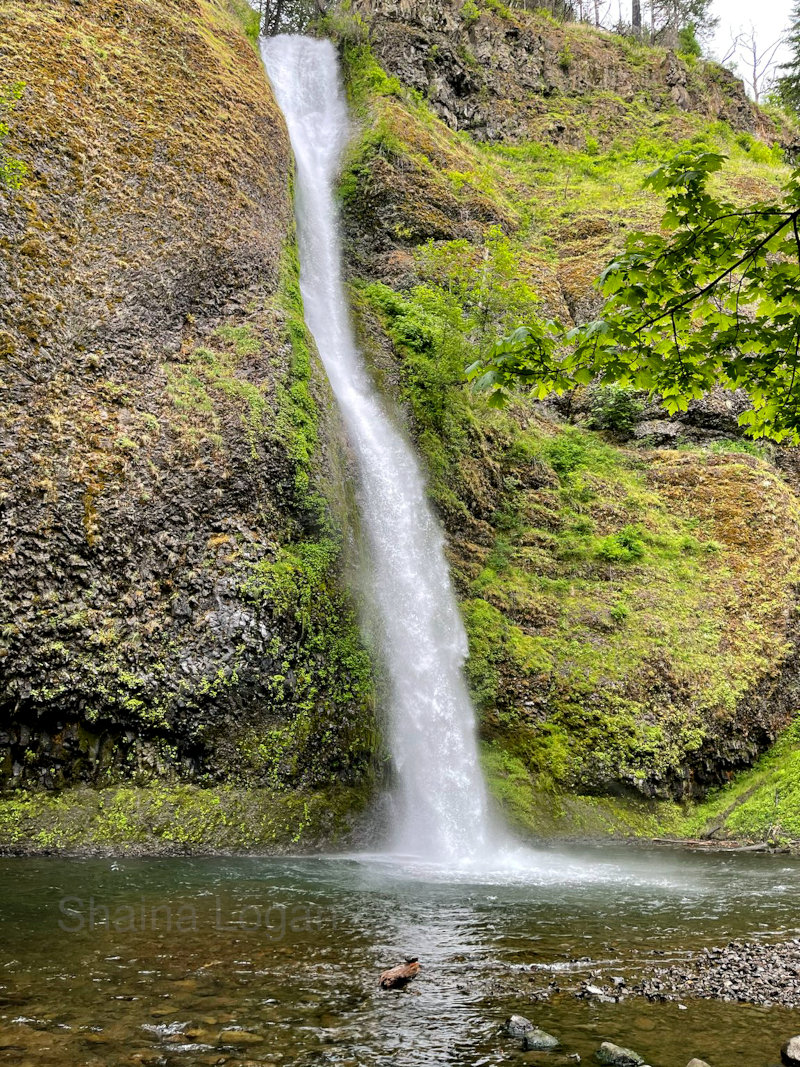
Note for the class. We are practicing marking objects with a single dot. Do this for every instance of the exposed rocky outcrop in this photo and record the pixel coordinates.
(496, 72)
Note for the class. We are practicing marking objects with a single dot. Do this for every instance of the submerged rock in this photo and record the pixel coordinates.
(617, 1056)
(537, 1040)
(697, 1063)
(790, 1053)
(239, 1037)
(518, 1026)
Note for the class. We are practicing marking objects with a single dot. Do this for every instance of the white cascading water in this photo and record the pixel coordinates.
(441, 799)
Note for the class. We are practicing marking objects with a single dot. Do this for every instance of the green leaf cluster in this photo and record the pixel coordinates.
(714, 299)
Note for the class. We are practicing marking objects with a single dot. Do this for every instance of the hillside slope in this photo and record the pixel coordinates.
(631, 611)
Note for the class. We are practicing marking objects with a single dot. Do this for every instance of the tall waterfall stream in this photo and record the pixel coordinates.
(441, 803)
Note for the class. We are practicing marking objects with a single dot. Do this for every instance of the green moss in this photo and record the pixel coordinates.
(201, 385)
(761, 804)
(323, 692)
(12, 170)
(182, 818)
(249, 19)
(297, 416)
(541, 811)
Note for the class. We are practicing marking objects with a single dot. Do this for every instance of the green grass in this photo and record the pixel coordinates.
(762, 804)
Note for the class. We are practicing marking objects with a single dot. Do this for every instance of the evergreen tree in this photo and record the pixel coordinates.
(789, 82)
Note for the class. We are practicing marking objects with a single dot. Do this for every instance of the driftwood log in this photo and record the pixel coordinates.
(399, 977)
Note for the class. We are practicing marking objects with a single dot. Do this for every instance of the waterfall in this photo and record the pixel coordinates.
(440, 802)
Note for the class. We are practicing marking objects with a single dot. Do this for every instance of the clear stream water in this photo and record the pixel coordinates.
(290, 950)
(441, 800)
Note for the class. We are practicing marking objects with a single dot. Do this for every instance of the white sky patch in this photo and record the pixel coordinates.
(769, 18)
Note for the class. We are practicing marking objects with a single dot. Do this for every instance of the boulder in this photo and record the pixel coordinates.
(518, 1026)
(697, 1063)
(790, 1053)
(657, 430)
(617, 1056)
(537, 1040)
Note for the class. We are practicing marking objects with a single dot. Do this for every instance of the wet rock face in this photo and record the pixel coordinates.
(489, 75)
(146, 458)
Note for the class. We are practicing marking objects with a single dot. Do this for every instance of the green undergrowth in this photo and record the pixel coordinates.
(558, 202)
(174, 818)
(762, 804)
(607, 610)
(249, 18)
(547, 812)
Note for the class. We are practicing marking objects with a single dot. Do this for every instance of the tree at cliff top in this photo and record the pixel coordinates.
(670, 19)
(288, 16)
(715, 301)
(789, 83)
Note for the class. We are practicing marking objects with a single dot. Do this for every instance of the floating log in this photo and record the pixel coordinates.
(398, 977)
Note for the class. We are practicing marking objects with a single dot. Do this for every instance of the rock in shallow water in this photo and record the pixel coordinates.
(697, 1063)
(518, 1026)
(790, 1053)
(537, 1040)
(617, 1056)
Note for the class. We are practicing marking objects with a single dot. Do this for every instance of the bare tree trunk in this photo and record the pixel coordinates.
(636, 18)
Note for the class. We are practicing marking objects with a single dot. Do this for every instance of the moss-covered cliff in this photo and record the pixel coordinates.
(170, 593)
(632, 612)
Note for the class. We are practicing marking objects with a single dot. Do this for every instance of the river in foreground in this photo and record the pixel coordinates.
(169, 961)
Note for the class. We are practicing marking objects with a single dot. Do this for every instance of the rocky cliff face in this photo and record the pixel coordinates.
(498, 73)
(159, 421)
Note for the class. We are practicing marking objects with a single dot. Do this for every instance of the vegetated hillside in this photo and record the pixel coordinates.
(632, 612)
(169, 591)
